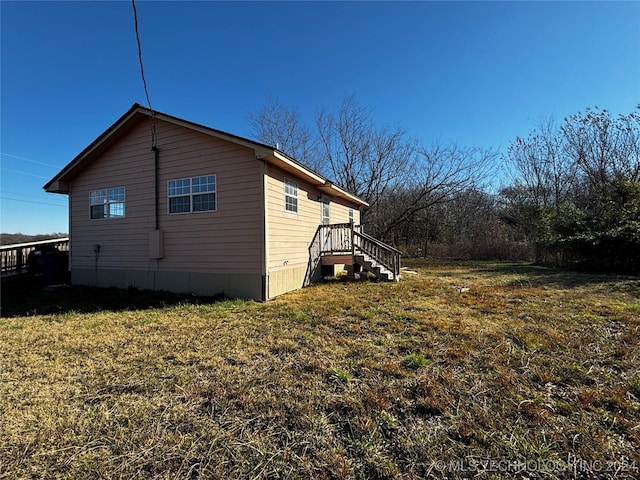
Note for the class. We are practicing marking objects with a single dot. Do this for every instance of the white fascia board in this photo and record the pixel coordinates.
(315, 178)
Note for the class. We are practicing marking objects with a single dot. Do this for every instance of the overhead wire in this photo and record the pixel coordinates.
(3, 154)
(154, 138)
(144, 81)
(48, 196)
(32, 201)
(23, 173)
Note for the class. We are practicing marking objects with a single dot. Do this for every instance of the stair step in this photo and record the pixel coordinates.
(369, 264)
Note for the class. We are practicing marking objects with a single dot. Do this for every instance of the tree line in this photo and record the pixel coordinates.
(572, 196)
(576, 193)
(13, 238)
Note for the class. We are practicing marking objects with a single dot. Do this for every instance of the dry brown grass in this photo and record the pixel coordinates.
(532, 370)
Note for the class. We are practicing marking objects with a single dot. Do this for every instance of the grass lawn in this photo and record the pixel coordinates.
(530, 373)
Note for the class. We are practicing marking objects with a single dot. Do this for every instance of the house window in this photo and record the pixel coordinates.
(107, 203)
(290, 196)
(197, 194)
(350, 215)
(325, 211)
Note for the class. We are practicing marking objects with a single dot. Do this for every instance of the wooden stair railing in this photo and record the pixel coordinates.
(347, 238)
(382, 253)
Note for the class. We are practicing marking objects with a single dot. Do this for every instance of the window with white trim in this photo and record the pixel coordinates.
(350, 214)
(326, 218)
(188, 195)
(106, 203)
(290, 196)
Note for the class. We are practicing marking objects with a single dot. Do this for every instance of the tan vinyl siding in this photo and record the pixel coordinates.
(289, 234)
(285, 280)
(227, 240)
(340, 211)
(127, 164)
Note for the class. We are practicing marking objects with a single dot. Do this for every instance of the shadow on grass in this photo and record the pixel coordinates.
(28, 296)
(528, 273)
(540, 276)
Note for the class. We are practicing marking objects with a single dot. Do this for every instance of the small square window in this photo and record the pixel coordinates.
(98, 211)
(180, 204)
(116, 209)
(202, 203)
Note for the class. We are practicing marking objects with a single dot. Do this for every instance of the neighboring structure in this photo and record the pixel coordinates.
(203, 211)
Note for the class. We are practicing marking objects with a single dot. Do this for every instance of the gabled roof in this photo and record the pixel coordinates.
(138, 113)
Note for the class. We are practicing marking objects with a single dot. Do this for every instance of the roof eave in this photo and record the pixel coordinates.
(60, 182)
(291, 164)
(57, 186)
(332, 189)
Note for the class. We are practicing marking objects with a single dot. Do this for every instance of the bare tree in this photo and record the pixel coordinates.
(575, 197)
(361, 157)
(606, 149)
(542, 167)
(399, 179)
(280, 126)
(441, 174)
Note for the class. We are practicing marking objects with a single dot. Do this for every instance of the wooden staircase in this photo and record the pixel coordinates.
(346, 243)
(368, 264)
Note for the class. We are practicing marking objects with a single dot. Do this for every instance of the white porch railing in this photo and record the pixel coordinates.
(14, 258)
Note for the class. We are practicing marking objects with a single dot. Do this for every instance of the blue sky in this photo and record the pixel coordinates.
(478, 73)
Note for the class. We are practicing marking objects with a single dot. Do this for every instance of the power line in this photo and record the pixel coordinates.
(32, 201)
(49, 196)
(144, 81)
(23, 173)
(28, 160)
